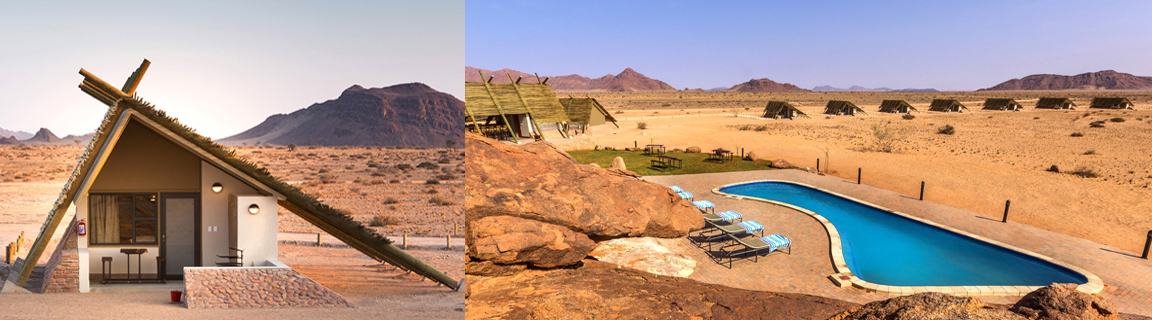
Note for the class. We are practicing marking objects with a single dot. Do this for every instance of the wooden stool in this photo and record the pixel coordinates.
(161, 268)
(104, 271)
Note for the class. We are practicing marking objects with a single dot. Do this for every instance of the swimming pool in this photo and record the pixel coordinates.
(888, 248)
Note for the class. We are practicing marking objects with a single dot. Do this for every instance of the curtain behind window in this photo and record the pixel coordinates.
(105, 218)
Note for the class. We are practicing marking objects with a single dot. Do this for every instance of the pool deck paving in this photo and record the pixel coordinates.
(1127, 278)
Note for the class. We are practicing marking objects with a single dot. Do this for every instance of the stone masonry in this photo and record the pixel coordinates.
(261, 287)
(62, 274)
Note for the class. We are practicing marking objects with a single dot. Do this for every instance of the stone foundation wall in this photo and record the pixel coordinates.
(261, 287)
(62, 274)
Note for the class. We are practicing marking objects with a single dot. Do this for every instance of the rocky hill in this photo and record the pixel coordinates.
(1102, 80)
(43, 136)
(855, 88)
(405, 115)
(9, 140)
(766, 85)
(626, 81)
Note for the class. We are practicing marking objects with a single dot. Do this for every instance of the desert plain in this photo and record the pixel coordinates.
(992, 157)
(397, 192)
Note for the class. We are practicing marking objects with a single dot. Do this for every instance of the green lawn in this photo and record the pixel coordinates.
(639, 163)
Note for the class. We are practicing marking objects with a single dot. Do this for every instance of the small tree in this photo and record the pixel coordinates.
(885, 137)
(292, 147)
(450, 144)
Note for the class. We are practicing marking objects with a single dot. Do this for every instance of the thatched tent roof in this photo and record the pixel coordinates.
(842, 107)
(946, 105)
(895, 105)
(1111, 103)
(579, 109)
(493, 99)
(1001, 104)
(1055, 103)
(777, 107)
(125, 106)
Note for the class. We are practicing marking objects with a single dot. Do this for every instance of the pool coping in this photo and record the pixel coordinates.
(844, 277)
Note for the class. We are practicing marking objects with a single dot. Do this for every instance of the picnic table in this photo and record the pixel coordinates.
(720, 155)
(657, 149)
(667, 162)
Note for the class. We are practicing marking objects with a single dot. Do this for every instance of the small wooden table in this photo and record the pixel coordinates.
(139, 253)
(657, 149)
(667, 162)
(720, 155)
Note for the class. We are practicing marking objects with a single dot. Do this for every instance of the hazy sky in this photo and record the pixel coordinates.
(219, 66)
(948, 45)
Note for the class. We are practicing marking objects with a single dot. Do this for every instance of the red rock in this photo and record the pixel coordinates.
(510, 240)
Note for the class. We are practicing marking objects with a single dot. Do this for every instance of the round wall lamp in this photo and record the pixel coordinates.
(253, 209)
(216, 187)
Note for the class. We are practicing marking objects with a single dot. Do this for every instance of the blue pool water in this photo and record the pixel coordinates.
(885, 248)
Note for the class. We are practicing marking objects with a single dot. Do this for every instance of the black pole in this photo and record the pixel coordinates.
(1147, 244)
(817, 164)
(858, 170)
(921, 190)
(741, 152)
(635, 144)
(1006, 204)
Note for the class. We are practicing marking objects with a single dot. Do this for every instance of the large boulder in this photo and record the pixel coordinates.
(692, 149)
(539, 182)
(752, 156)
(644, 254)
(618, 163)
(512, 240)
(928, 306)
(1062, 301)
(597, 290)
(781, 164)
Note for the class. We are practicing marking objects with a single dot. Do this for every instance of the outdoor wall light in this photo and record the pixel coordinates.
(216, 187)
(253, 209)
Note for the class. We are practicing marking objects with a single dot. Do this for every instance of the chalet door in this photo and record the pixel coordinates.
(179, 239)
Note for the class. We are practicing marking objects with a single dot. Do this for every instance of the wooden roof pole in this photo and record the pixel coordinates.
(488, 87)
(474, 123)
(531, 118)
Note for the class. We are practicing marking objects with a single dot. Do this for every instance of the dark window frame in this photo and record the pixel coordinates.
(135, 218)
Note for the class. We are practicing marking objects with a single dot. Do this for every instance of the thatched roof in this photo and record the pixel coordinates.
(776, 107)
(841, 107)
(579, 109)
(1111, 103)
(122, 106)
(894, 106)
(493, 99)
(1001, 104)
(945, 105)
(1054, 103)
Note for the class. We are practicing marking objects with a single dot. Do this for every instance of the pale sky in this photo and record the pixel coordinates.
(947, 45)
(219, 66)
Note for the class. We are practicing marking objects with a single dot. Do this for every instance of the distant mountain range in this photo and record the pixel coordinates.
(18, 134)
(827, 88)
(626, 81)
(405, 115)
(1102, 80)
(41, 137)
(766, 85)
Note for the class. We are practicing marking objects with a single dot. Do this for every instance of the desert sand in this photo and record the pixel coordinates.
(993, 156)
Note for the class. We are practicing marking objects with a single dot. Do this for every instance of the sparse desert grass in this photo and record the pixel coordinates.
(639, 163)
(1077, 134)
(908, 117)
(641, 125)
(1090, 152)
(382, 220)
(1083, 172)
(1117, 119)
(1097, 124)
(946, 129)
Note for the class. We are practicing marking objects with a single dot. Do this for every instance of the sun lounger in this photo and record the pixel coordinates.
(685, 195)
(754, 245)
(724, 216)
(704, 205)
(732, 229)
(676, 189)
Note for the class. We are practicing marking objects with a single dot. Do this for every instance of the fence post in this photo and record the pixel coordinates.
(448, 240)
(817, 164)
(318, 239)
(1146, 244)
(858, 170)
(405, 241)
(921, 190)
(1006, 204)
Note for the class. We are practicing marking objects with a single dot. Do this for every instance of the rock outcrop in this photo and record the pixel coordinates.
(644, 254)
(598, 290)
(766, 85)
(781, 164)
(929, 306)
(626, 81)
(1101, 80)
(539, 182)
(512, 240)
(1062, 301)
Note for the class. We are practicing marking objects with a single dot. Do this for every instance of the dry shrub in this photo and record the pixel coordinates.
(381, 220)
(1083, 172)
(440, 201)
(946, 129)
(391, 200)
(641, 125)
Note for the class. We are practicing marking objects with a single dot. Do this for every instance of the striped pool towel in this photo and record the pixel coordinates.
(703, 204)
(685, 194)
(729, 215)
(776, 241)
(751, 226)
(676, 189)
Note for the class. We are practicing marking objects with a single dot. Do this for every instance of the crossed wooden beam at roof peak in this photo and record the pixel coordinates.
(108, 94)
